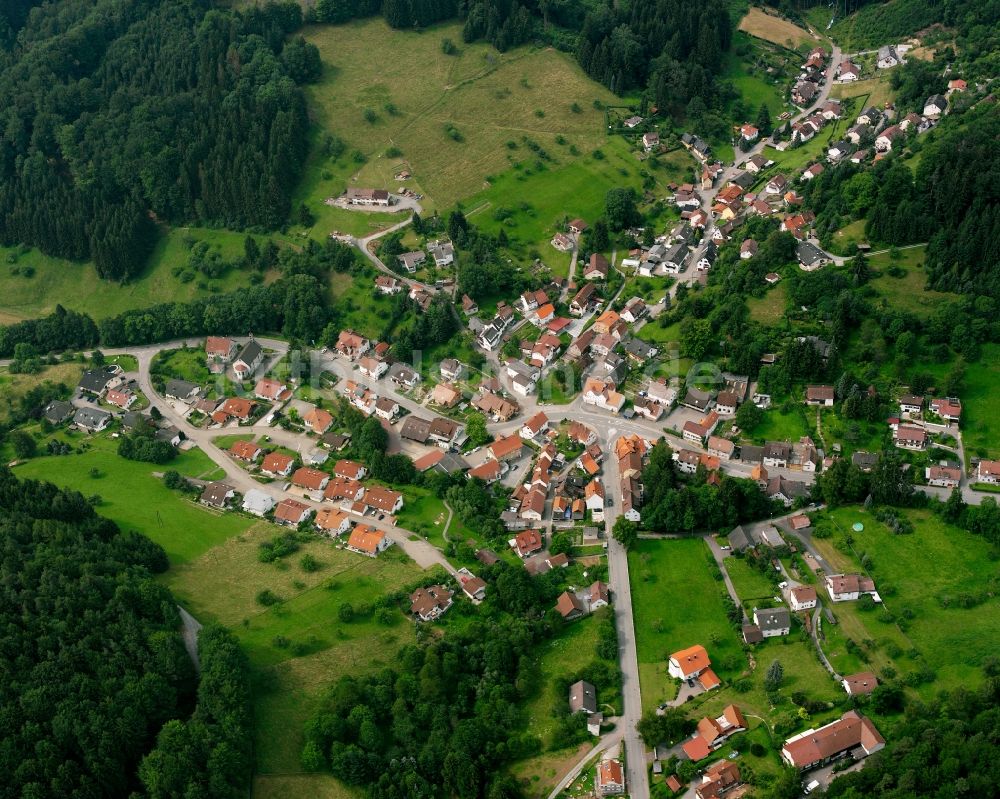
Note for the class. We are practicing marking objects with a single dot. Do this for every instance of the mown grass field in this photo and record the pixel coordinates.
(909, 292)
(769, 309)
(916, 571)
(416, 91)
(530, 203)
(222, 585)
(877, 89)
(134, 498)
(980, 428)
(677, 604)
(77, 287)
(774, 29)
(750, 584)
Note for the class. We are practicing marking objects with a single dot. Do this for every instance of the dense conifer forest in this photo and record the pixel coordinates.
(116, 116)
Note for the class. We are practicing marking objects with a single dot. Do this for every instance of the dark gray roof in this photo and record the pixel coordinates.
(582, 697)
(58, 411)
(95, 380)
(168, 434)
(415, 429)
(744, 180)
(772, 619)
(696, 398)
(638, 348)
(134, 419)
(809, 254)
(250, 353)
(864, 460)
(738, 539)
(451, 463)
(750, 453)
(181, 389)
(91, 417)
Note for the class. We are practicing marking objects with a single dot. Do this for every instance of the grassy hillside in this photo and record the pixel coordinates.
(413, 91)
(31, 284)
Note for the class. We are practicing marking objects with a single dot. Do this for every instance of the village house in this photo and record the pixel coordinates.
(352, 345)
(445, 395)
(372, 367)
(935, 107)
(271, 390)
(582, 698)
(562, 242)
(948, 408)
(411, 261)
(257, 503)
(697, 432)
(860, 684)
(245, 451)
(988, 472)
(820, 395)
(911, 405)
(570, 606)
(332, 522)
(219, 351)
(848, 587)
(97, 381)
(93, 420)
(721, 448)
(650, 141)
(382, 500)
(802, 597)
(885, 139)
(310, 479)
(442, 252)
(387, 285)
(943, 475)
(217, 495)
(610, 778)
(813, 748)
(527, 543)
(693, 664)
(317, 420)
(277, 464)
(344, 489)
(602, 394)
(249, 359)
(366, 540)
(847, 72)
(535, 426)
(772, 622)
(355, 196)
(120, 398)
(431, 602)
(291, 512)
(909, 437)
(888, 57)
(506, 448)
(583, 300)
(718, 780)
